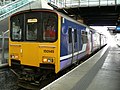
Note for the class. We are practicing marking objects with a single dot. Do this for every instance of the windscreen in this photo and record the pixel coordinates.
(31, 29)
(34, 26)
(49, 27)
(17, 27)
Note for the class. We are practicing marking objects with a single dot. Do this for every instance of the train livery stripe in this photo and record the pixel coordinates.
(70, 55)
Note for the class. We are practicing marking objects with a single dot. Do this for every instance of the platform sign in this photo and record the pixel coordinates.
(118, 28)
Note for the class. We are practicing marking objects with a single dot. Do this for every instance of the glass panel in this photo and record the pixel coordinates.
(84, 37)
(70, 35)
(75, 35)
(103, 2)
(118, 1)
(32, 25)
(85, 3)
(16, 27)
(49, 26)
(111, 2)
(93, 2)
(31, 31)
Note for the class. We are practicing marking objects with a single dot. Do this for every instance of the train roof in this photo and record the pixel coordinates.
(71, 19)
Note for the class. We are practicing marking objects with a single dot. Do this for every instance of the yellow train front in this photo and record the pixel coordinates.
(34, 47)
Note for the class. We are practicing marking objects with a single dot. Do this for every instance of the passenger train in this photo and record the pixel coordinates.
(117, 38)
(44, 41)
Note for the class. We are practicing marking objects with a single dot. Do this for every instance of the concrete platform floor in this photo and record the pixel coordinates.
(108, 77)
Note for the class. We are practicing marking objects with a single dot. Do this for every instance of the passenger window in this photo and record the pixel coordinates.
(84, 37)
(75, 35)
(70, 35)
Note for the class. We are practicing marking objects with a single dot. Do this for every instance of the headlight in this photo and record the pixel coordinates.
(48, 59)
(14, 56)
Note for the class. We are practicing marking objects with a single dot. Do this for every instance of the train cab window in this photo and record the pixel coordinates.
(70, 35)
(34, 26)
(16, 28)
(84, 37)
(49, 27)
(31, 29)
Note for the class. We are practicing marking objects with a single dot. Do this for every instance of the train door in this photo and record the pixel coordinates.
(72, 39)
(30, 45)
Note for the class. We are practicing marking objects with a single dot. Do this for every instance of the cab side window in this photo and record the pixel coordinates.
(16, 28)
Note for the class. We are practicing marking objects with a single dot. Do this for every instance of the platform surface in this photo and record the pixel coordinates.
(108, 77)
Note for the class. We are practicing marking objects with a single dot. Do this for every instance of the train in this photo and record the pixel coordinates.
(117, 39)
(44, 41)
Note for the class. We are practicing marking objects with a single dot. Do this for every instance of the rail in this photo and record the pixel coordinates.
(83, 3)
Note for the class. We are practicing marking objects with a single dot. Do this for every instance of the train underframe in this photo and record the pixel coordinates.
(33, 75)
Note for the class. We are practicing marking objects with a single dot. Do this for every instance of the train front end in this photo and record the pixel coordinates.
(34, 47)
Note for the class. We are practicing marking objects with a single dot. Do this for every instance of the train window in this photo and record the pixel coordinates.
(16, 28)
(32, 22)
(84, 37)
(75, 35)
(34, 26)
(70, 35)
(31, 30)
(49, 27)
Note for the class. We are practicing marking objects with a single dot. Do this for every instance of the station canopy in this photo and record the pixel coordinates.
(92, 12)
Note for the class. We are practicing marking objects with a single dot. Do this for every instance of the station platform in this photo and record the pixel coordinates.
(99, 72)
